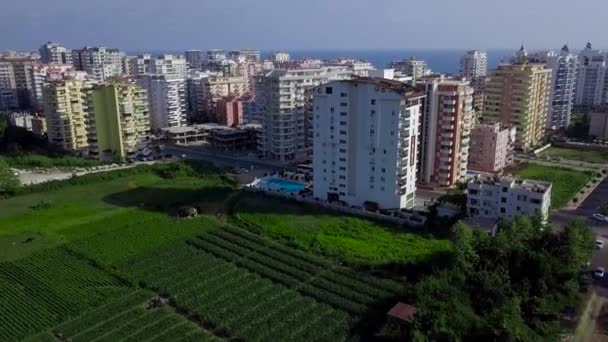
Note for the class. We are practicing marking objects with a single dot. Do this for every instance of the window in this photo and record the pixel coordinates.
(342, 168)
(503, 210)
(343, 95)
(342, 177)
(505, 189)
(329, 90)
(518, 209)
(503, 200)
(342, 123)
(342, 150)
(372, 113)
(343, 104)
(331, 110)
(383, 170)
(473, 192)
(342, 141)
(372, 132)
(342, 159)
(373, 102)
(535, 201)
(343, 132)
(343, 114)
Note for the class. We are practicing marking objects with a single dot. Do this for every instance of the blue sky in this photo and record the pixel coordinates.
(308, 24)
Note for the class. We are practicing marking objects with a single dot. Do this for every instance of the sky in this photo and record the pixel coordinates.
(140, 25)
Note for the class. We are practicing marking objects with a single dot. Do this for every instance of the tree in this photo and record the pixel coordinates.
(9, 182)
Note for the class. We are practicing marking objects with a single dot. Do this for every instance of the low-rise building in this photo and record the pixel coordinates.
(492, 197)
(598, 127)
(491, 148)
(216, 136)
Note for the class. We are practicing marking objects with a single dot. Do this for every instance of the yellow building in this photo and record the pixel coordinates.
(518, 95)
(119, 124)
(66, 114)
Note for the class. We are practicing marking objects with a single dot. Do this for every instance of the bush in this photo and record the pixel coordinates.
(37, 160)
(9, 182)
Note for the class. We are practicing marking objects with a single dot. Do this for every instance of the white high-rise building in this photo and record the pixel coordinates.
(280, 57)
(445, 131)
(167, 99)
(55, 53)
(100, 62)
(474, 67)
(282, 96)
(365, 142)
(194, 59)
(169, 65)
(592, 78)
(563, 82)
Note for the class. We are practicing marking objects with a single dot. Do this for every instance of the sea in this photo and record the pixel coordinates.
(440, 61)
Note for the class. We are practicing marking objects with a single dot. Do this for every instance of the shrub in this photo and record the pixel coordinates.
(575, 199)
(9, 182)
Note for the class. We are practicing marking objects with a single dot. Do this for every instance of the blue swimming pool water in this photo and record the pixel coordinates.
(276, 184)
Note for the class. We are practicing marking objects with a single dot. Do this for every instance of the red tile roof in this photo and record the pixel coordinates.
(402, 311)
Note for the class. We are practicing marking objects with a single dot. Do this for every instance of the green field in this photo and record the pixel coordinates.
(351, 239)
(78, 257)
(37, 160)
(598, 157)
(566, 182)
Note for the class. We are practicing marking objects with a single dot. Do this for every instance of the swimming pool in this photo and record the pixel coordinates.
(278, 184)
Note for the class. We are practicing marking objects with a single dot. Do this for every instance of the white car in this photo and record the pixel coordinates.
(599, 272)
(600, 217)
(599, 244)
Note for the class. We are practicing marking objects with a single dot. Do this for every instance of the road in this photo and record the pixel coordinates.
(590, 206)
(225, 159)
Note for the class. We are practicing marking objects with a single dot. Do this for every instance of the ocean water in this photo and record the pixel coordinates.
(443, 61)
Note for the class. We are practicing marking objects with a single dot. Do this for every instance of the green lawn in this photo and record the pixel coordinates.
(598, 157)
(348, 238)
(566, 182)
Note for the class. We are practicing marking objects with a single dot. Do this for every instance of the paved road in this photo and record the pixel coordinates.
(224, 159)
(590, 206)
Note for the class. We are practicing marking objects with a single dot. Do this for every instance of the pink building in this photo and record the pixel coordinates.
(491, 148)
(229, 111)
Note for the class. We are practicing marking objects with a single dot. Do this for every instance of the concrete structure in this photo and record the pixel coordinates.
(446, 121)
(21, 119)
(518, 95)
(411, 67)
(598, 126)
(205, 90)
(66, 114)
(213, 135)
(41, 74)
(194, 59)
(100, 62)
(280, 57)
(55, 53)
(563, 67)
(141, 64)
(167, 100)
(491, 148)
(592, 78)
(39, 126)
(229, 111)
(119, 123)
(169, 65)
(474, 67)
(8, 87)
(365, 142)
(127, 65)
(283, 97)
(507, 197)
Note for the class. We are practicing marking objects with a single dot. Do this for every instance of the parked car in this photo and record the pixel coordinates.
(599, 272)
(599, 244)
(600, 217)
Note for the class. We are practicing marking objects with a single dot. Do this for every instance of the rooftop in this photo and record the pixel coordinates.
(527, 184)
(403, 312)
(385, 83)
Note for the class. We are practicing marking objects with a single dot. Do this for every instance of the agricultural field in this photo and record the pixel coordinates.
(588, 156)
(242, 285)
(566, 182)
(351, 239)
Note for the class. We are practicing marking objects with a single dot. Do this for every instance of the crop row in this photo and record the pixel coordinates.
(387, 285)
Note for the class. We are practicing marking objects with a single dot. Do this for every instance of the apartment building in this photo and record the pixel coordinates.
(592, 78)
(446, 121)
(365, 142)
(204, 90)
(563, 67)
(41, 74)
(9, 98)
(518, 95)
(65, 109)
(52, 53)
(118, 121)
(283, 100)
(141, 64)
(491, 147)
(249, 55)
(507, 197)
(100, 63)
(194, 59)
(169, 65)
(167, 99)
(411, 67)
(598, 125)
(280, 57)
(474, 67)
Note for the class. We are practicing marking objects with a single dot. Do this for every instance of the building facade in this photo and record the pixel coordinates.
(598, 125)
(592, 78)
(491, 148)
(410, 67)
(282, 98)
(563, 67)
(167, 100)
(365, 142)
(445, 129)
(65, 109)
(169, 65)
(52, 53)
(194, 59)
(280, 57)
(506, 197)
(118, 122)
(474, 67)
(518, 95)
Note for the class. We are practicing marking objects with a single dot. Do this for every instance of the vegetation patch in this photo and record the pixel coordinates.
(588, 156)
